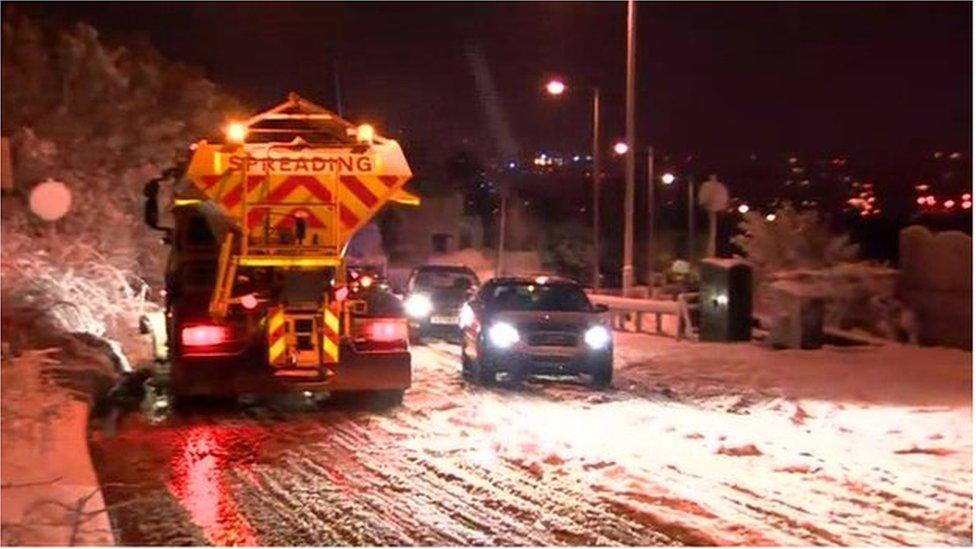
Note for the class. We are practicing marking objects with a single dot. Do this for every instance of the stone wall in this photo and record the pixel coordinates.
(936, 282)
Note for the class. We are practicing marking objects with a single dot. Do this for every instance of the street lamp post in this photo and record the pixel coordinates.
(691, 218)
(668, 178)
(650, 218)
(627, 271)
(500, 259)
(596, 188)
(557, 87)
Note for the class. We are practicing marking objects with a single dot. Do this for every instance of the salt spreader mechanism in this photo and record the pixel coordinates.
(256, 298)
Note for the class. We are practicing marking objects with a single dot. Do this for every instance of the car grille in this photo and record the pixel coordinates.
(530, 327)
(552, 339)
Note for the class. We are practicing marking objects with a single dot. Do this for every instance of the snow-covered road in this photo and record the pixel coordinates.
(650, 462)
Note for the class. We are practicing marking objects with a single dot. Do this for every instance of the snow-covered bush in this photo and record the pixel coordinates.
(567, 249)
(103, 120)
(798, 250)
(793, 240)
(74, 288)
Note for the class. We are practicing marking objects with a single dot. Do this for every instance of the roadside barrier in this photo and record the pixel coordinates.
(624, 310)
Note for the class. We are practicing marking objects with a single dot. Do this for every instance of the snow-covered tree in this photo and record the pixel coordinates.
(103, 120)
(792, 240)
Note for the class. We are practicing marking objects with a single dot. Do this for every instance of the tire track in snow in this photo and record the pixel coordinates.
(432, 473)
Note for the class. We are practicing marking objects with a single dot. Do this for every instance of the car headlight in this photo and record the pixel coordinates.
(418, 306)
(597, 337)
(503, 335)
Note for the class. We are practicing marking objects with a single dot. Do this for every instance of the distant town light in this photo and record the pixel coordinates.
(668, 178)
(966, 205)
(949, 204)
(555, 87)
(743, 208)
(770, 217)
(620, 148)
(967, 196)
(930, 200)
(920, 200)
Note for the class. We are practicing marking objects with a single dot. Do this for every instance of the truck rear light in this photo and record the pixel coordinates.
(205, 335)
(380, 334)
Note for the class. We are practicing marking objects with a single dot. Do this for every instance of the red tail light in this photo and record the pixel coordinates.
(204, 335)
(380, 334)
(388, 330)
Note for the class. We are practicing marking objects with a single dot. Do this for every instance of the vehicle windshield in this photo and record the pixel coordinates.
(444, 280)
(537, 297)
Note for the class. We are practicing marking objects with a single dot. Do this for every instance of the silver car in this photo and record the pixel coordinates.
(516, 327)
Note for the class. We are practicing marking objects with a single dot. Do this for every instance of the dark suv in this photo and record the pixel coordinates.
(434, 297)
(519, 326)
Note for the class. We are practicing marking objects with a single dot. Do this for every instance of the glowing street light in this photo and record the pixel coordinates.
(620, 148)
(555, 87)
(770, 217)
(236, 132)
(743, 208)
(668, 178)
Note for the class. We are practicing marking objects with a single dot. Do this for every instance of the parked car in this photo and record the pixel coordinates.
(434, 297)
(516, 327)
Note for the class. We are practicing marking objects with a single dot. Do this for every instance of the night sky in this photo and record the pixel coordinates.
(721, 80)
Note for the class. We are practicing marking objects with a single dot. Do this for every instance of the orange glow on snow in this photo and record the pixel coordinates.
(198, 481)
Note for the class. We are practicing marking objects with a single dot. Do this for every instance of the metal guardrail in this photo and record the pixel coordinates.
(625, 309)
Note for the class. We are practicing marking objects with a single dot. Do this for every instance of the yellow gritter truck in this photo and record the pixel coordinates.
(256, 298)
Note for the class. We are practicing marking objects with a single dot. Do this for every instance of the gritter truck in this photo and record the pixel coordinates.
(256, 299)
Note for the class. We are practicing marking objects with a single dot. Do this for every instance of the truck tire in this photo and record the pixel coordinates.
(385, 400)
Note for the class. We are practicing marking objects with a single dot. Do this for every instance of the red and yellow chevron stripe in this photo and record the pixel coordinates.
(277, 343)
(330, 336)
(334, 202)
